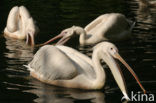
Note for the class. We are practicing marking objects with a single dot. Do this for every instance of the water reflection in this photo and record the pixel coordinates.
(18, 49)
(14, 76)
(145, 14)
(17, 54)
(52, 94)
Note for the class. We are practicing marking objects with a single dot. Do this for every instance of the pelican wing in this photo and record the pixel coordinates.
(60, 63)
(82, 61)
(50, 63)
(115, 27)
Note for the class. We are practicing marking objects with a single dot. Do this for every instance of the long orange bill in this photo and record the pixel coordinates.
(131, 71)
(62, 41)
(51, 40)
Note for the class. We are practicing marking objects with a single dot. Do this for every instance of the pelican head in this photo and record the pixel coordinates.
(30, 32)
(66, 34)
(109, 53)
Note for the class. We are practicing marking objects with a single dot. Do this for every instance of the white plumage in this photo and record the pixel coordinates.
(112, 27)
(66, 67)
(20, 25)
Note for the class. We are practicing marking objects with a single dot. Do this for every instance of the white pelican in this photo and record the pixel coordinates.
(66, 67)
(20, 25)
(113, 27)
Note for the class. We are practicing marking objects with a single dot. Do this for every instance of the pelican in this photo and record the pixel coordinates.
(20, 25)
(112, 26)
(66, 67)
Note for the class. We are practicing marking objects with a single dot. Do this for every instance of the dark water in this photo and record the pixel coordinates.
(54, 15)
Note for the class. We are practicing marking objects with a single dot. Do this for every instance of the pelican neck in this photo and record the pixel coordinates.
(99, 71)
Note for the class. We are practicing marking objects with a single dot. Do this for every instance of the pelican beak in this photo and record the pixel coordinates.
(117, 56)
(62, 41)
(118, 76)
(30, 39)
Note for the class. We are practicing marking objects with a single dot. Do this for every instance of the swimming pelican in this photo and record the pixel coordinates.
(113, 27)
(66, 67)
(20, 25)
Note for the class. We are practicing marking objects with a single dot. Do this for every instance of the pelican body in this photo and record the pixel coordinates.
(20, 25)
(112, 27)
(66, 67)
